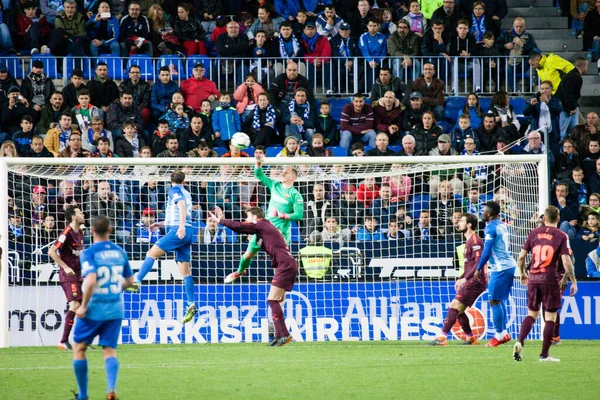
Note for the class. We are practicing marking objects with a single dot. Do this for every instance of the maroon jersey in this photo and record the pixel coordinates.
(70, 245)
(272, 241)
(473, 250)
(546, 244)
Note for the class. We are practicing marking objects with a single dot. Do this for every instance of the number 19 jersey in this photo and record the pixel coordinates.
(547, 245)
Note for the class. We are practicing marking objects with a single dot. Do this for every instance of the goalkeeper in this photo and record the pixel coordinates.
(286, 205)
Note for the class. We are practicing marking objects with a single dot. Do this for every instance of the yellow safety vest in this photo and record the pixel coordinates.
(315, 260)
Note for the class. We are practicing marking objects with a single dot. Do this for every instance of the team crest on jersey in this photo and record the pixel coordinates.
(77, 252)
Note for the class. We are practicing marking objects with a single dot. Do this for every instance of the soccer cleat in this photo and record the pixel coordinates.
(65, 346)
(555, 341)
(506, 339)
(76, 396)
(517, 351)
(273, 342)
(189, 314)
(111, 395)
(271, 332)
(135, 288)
(549, 359)
(439, 341)
(282, 341)
(495, 342)
(232, 277)
(471, 341)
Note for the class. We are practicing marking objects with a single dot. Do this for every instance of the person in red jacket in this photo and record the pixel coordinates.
(198, 88)
(317, 55)
(388, 116)
(357, 123)
(368, 191)
(32, 29)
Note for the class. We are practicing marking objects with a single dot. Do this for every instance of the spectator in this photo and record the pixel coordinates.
(579, 11)
(172, 149)
(424, 231)
(326, 125)
(17, 233)
(356, 123)
(328, 22)
(198, 88)
(103, 32)
(317, 55)
(69, 28)
(461, 132)
(162, 34)
(176, 117)
(427, 132)
(582, 189)
(516, 43)
(582, 134)
(592, 263)
(404, 44)
(535, 146)
(48, 233)
(550, 67)
(74, 148)
(473, 203)
(71, 91)
(103, 90)
(588, 159)
(351, 211)
(160, 136)
(298, 117)
(57, 139)
(393, 231)
(267, 22)
(120, 112)
(226, 121)
(235, 152)
(222, 192)
(448, 14)
(208, 12)
(409, 147)
(105, 202)
(246, 96)
(400, 183)
(506, 117)
(260, 65)
(291, 148)
(443, 147)
(569, 92)
(331, 232)
(96, 131)
(482, 23)
(489, 133)
(144, 232)
(130, 142)
(413, 114)
(8, 149)
(463, 45)
(359, 21)
(568, 211)
(435, 41)
(387, 26)
(373, 47)
(37, 149)
(387, 82)
(567, 161)
(315, 211)
(162, 91)
(261, 123)
(134, 35)
(193, 136)
(381, 146)
(51, 112)
(203, 150)
(31, 29)
(591, 31)
(368, 191)
(388, 116)
(589, 232)
(544, 111)
(283, 89)
(594, 179)
(6, 42)
(141, 91)
(288, 48)
(12, 112)
(22, 139)
(384, 207)
(490, 49)
(317, 148)
(213, 233)
(6, 82)
(344, 49)
(432, 90)
(232, 45)
(416, 20)
(37, 87)
(84, 112)
(369, 232)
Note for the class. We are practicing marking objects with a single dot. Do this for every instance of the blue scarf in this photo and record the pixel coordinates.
(295, 45)
(292, 109)
(311, 42)
(91, 135)
(269, 117)
(478, 27)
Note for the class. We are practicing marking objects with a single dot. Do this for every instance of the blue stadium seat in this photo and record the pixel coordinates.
(396, 149)
(198, 59)
(336, 107)
(338, 151)
(485, 103)
(272, 151)
(518, 104)
(165, 60)
(452, 107)
(50, 65)
(249, 151)
(295, 233)
(72, 63)
(220, 150)
(419, 203)
(446, 127)
(15, 66)
(115, 66)
(146, 66)
(367, 148)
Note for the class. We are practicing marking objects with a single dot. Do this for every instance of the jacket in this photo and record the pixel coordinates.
(534, 112)
(232, 47)
(326, 30)
(226, 122)
(396, 85)
(375, 152)
(458, 137)
(373, 47)
(112, 27)
(327, 126)
(141, 92)
(529, 43)
(456, 45)
(286, 115)
(322, 50)
(241, 96)
(113, 209)
(450, 21)
(355, 122)
(257, 25)
(336, 46)
(161, 95)
(72, 27)
(592, 263)
(426, 139)
(88, 143)
(48, 116)
(569, 90)
(196, 90)
(116, 115)
(4, 86)
(176, 122)
(52, 140)
(22, 141)
(282, 86)
(488, 140)
(11, 119)
(412, 118)
(28, 92)
(102, 94)
(159, 143)
(188, 30)
(70, 94)
(551, 67)
(123, 147)
(132, 29)
(591, 28)
(384, 118)
(430, 47)
(288, 8)
(433, 95)
(23, 22)
(408, 46)
(189, 141)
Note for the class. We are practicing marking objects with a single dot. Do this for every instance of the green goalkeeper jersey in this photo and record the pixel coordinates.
(283, 200)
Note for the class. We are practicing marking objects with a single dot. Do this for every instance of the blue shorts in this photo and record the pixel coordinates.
(500, 284)
(181, 247)
(109, 331)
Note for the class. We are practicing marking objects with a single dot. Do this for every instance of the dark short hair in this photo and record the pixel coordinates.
(126, 91)
(287, 24)
(27, 118)
(552, 214)
(70, 213)
(260, 147)
(163, 122)
(103, 139)
(77, 72)
(254, 210)
(472, 220)
(178, 177)
(66, 113)
(102, 64)
(129, 123)
(358, 95)
(101, 225)
(83, 92)
(57, 92)
(494, 207)
(437, 22)
(172, 137)
(134, 66)
(164, 69)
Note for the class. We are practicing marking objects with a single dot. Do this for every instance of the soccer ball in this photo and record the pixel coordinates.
(240, 140)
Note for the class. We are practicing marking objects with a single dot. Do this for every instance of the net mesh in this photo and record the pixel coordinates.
(359, 278)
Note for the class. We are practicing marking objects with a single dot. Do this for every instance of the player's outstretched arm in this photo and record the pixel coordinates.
(298, 214)
(259, 173)
(570, 274)
(521, 265)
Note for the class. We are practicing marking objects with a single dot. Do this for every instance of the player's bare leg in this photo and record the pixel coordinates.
(69, 320)
(245, 262)
(499, 317)
(275, 300)
(152, 255)
(188, 282)
(80, 368)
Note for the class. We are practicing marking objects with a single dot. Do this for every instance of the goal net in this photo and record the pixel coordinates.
(378, 248)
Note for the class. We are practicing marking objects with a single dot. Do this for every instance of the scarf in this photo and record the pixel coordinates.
(91, 135)
(344, 47)
(311, 42)
(63, 138)
(416, 22)
(219, 237)
(478, 27)
(135, 144)
(269, 117)
(283, 51)
(97, 154)
(545, 121)
(292, 109)
(37, 87)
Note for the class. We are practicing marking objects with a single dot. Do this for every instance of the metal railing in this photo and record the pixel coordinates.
(339, 76)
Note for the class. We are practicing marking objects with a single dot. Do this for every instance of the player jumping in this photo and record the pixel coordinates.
(178, 222)
(284, 263)
(501, 264)
(548, 245)
(468, 288)
(286, 205)
(107, 272)
(70, 246)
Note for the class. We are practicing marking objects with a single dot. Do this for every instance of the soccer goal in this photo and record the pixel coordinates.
(378, 249)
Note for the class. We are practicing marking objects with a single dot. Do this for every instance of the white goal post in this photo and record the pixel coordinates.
(365, 293)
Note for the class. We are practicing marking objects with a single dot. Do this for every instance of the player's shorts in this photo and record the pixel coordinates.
(500, 284)
(470, 291)
(253, 246)
(181, 247)
(72, 291)
(285, 278)
(108, 331)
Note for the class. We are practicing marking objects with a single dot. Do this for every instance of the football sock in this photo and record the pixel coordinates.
(463, 320)
(146, 267)
(244, 263)
(68, 326)
(80, 367)
(557, 325)
(111, 365)
(189, 289)
(498, 317)
(548, 332)
(505, 313)
(526, 328)
(450, 321)
(278, 320)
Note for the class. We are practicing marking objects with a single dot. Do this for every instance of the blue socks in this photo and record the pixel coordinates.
(188, 281)
(498, 317)
(112, 371)
(146, 267)
(505, 312)
(80, 367)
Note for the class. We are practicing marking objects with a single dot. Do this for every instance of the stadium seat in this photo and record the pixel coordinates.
(419, 203)
(146, 66)
(295, 233)
(395, 149)
(178, 63)
(50, 65)
(198, 59)
(336, 107)
(272, 151)
(485, 103)
(220, 150)
(367, 148)
(115, 66)
(518, 104)
(453, 106)
(446, 127)
(249, 151)
(72, 63)
(15, 66)
(338, 151)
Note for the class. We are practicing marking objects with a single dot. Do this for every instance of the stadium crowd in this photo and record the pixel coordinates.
(403, 115)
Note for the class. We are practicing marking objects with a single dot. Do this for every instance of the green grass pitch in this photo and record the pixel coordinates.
(330, 370)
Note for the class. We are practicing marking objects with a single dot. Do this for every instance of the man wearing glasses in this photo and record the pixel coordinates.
(74, 148)
(96, 131)
(141, 92)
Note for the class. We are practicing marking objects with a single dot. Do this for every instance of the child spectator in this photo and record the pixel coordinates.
(291, 148)
(327, 126)
(462, 131)
(368, 191)
(298, 25)
(489, 49)
(369, 232)
(23, 138)
(590, 232)
(246, 96)
(145, 232)
(33, 30)
(317, 149)
(567, 160)
(260, 51)
(103, 149)
(206, 117)
(234, 152)
(393, 233)
(131, 142)
(176, 118)
(159, 137)
(473, 110)
(85, 111)
(387, 26)
(331, 232)
(225, 121)
(582, 190)
(358, 150)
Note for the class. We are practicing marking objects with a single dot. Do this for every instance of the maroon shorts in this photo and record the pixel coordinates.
(470, 291)
(285, 278)
(547, 294)
(72, 291)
